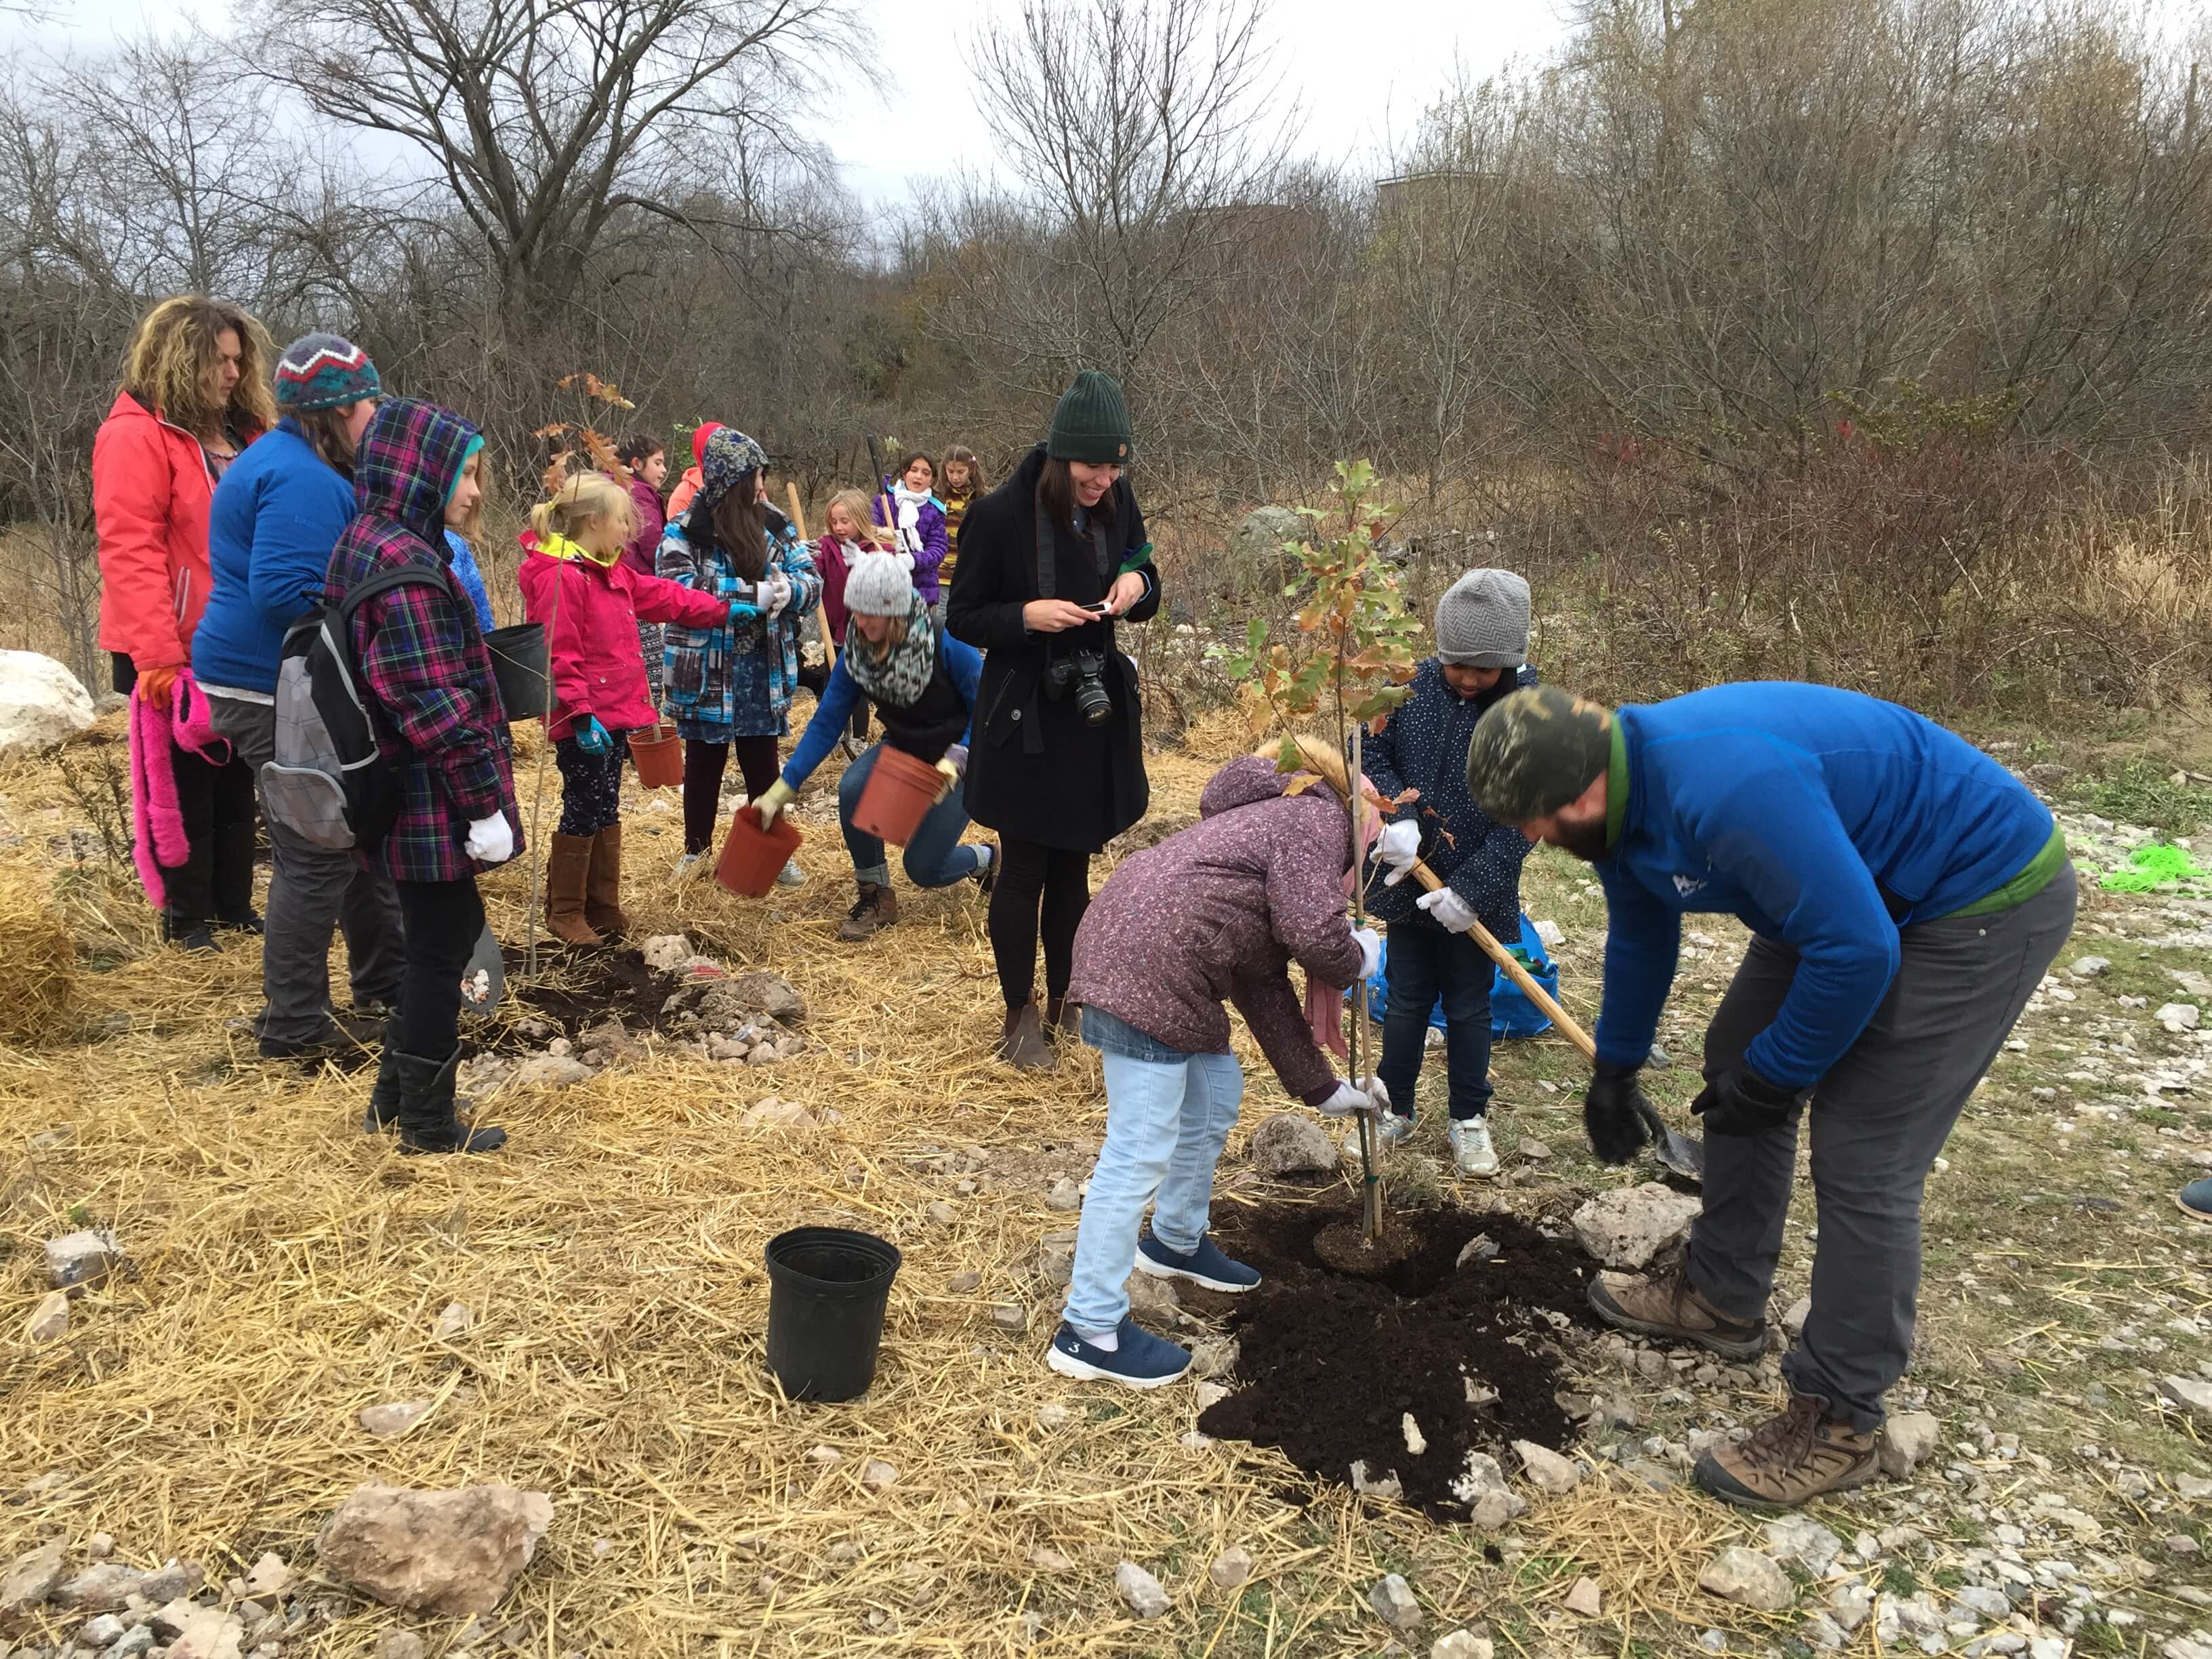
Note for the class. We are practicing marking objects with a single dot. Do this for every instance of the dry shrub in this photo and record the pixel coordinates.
(39, 987)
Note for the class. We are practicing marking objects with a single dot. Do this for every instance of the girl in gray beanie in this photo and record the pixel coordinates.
(923, 686)
(1482, 642)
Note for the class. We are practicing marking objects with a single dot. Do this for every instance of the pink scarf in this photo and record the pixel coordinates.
(161, 837)
(1325, 1003)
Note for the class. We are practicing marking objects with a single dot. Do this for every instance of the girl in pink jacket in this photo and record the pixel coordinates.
(575, 581)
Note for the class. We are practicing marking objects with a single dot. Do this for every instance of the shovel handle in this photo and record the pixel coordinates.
(1521, 976)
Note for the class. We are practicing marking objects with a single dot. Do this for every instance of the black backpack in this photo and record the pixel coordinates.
(328, 783)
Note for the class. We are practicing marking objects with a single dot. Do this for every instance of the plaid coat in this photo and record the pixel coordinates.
(737, 680)
(422, 658)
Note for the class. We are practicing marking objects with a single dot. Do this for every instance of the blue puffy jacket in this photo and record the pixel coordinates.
(1821, 818)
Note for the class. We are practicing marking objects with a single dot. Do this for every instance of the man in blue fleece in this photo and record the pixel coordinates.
(1904, 894)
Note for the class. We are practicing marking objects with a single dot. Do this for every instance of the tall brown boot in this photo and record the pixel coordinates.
(1063, 1018)
(603, 885)
(1022, 1043)
(567, 871)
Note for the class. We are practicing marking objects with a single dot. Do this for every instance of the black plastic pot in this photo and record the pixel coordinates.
(519, 663)
(827, 1287)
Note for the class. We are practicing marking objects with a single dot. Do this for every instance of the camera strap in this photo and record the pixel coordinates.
(1050, 537)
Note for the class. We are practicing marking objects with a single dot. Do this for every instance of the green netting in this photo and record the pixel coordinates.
(2150, 867)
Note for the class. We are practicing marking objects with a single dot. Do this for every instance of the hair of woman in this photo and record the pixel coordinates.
(172, 357)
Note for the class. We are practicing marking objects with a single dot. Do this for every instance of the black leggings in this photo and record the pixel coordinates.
(444, 919)
(1037, 882)
(702, 783)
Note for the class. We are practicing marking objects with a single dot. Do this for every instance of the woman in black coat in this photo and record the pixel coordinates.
(1049, 561)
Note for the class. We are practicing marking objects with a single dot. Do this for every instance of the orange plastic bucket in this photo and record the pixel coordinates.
(751, 856)
(900, 791)
(660, 756)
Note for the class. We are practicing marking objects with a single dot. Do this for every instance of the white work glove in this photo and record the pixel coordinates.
(1447, 910)
(1371, 950)
(491, 841)
(775, 593)
(1400, 847)
(1370, 1096)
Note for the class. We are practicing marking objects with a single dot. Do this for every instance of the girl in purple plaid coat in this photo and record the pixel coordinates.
(440, 725)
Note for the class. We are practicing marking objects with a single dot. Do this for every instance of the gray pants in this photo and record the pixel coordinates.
(311, 889)
(1879, 1116)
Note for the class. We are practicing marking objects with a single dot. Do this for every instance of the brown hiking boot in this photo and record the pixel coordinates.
(1022, 1045)
(602, 884)
(878, 908)
(567, 869)
(1803, 1454)
(1666, 1305)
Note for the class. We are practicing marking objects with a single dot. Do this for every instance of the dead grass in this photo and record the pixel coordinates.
(287, 1272)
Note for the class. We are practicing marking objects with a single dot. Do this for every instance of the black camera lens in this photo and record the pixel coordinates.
(1092, 701)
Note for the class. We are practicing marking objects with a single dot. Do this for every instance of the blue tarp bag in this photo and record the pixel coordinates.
(1511, 1014)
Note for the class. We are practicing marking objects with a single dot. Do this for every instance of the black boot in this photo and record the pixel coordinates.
(426, 1120)
(384, 1099)
(187, 933)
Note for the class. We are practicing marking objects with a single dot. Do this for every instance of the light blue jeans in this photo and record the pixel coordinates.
(1168, 1116)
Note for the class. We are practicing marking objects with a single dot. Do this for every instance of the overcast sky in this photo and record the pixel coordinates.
(1361, 73)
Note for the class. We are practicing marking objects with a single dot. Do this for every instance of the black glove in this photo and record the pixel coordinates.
(1742, 1103)
(1614, 1112)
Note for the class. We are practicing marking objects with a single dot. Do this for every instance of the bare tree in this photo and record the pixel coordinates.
(548, 121)
(1139, 132)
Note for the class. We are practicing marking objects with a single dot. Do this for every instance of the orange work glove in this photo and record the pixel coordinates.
(156, 684)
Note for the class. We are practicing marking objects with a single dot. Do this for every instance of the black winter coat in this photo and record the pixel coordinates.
(1035, 771)
(1423, 746)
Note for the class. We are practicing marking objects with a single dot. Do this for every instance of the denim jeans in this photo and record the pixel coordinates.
(1168, 1116)
(1426, 962)
(935, 858)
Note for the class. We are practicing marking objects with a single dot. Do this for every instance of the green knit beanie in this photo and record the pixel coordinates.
(1091, 423)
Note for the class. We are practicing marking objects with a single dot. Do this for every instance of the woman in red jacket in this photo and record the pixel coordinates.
(195, 391)
(576, 582)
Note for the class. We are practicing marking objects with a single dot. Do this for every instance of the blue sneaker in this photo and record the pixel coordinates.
(2195, 1199)
(1203, 1266)
(1141, 1359)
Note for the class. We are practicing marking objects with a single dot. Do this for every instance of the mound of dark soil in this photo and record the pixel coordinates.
(584, 987)
(1328, 1365)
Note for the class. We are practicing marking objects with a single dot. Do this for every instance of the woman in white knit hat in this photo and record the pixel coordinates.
(923, 686)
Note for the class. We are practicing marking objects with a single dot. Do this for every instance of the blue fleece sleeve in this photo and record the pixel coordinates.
(1643, 938)
(1774, 831)
(471, 578)
(965, 664)
(832, 715)
(297, 521)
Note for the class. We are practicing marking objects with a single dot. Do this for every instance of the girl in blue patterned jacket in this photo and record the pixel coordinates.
(731, 687)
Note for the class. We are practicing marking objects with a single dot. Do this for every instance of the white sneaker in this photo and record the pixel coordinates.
(1471, 1148)
(690, 867)
(791, 875)
(1390, 1130)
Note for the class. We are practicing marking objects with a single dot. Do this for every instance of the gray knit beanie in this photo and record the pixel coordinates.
(880, 585)
(1482, 621)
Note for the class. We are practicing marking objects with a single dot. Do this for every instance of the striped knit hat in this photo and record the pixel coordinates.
(322, 371)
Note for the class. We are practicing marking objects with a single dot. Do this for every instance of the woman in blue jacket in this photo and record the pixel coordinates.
(923, 684)
(277, 514)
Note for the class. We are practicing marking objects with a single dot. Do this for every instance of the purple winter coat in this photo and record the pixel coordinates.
(1217, 914)
(645, 540)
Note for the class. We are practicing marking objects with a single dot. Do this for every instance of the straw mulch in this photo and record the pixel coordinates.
(285, 1272)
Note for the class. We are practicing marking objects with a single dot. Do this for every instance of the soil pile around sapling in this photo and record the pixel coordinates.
(577, 989)
(1329, 1366)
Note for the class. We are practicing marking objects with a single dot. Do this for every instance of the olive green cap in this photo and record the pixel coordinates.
(1091, 424)
(1536, 751)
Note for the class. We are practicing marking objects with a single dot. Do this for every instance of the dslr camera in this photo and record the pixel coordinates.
(1083, 673)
